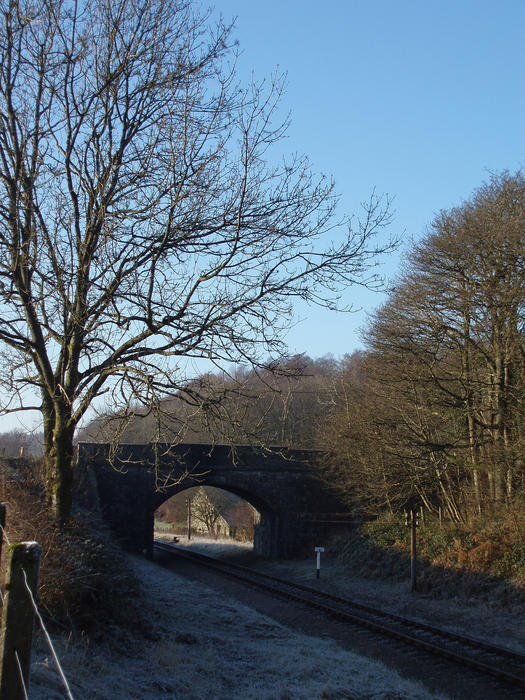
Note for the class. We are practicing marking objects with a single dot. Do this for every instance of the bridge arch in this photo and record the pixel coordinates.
(212, 511)
(296, 507)
(266, 529)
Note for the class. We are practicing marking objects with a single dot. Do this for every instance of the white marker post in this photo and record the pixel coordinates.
(319, 550)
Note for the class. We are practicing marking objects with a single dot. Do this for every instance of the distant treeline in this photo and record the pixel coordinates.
(281, 404)
(17, 443)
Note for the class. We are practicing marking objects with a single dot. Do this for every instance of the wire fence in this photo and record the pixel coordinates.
(21, 674)
(13, 661)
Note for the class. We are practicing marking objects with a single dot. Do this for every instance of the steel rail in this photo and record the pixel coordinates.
(376, 620)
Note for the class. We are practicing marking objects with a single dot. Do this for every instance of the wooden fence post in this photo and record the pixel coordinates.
(16, 634)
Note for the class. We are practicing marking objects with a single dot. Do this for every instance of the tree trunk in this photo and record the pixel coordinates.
(467, 369)
(474, 456)
(58, 450)
(498, 421)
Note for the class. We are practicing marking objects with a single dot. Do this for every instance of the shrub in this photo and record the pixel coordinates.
(454, 558)
(84, 577)
(387, 531)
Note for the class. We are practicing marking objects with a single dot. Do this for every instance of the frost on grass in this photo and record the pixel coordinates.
(208, 646)
(496, 624)
(213, 547)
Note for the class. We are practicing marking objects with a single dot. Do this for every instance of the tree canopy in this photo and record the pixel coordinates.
(442, 417)
(145, 216)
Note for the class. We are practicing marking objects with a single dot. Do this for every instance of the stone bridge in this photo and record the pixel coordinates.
(297, 510)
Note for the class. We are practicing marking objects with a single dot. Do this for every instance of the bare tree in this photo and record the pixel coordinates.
(448, 353)
(205, 512)
(142, 221)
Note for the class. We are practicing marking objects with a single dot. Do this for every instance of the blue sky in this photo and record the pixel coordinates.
(420, 100)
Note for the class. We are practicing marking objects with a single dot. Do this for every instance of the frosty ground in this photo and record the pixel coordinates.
(482, 616)
(211, 647)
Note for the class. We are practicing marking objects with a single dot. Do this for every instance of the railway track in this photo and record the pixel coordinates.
(496, 662)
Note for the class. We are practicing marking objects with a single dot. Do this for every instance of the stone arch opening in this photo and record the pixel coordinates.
(267, 529)
(207, 513)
